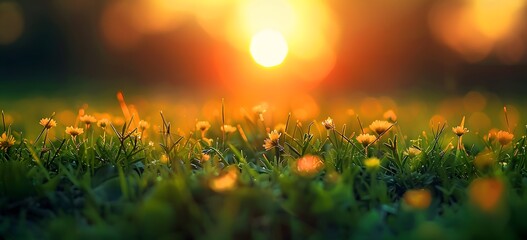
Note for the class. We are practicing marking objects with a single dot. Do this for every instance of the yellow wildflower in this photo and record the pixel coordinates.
(418, 198)
(48, 123)
(380, 127)
(492, 135)
(272, 141)
(260, 109)
(143, 125)
(204, 157)
(6, 141)
(486, 193)
(308, 165)
(328, 123)
(103, 123)
(504, 137)
(372, 163)
(88, 119)
(412, 152)
(226, 181)
(74, 131)
(228, 129)
(164, 159)
(203, 126)
(461, 129)
(390, 116)
(366, 139)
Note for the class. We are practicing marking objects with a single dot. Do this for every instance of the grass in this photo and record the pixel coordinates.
(312, 180)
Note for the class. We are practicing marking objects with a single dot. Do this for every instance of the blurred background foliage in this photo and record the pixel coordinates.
(335, 47)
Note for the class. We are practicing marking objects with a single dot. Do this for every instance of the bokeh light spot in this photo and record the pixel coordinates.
(474, 101)
(479, 121)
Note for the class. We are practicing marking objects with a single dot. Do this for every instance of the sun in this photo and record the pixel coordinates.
(268, 48)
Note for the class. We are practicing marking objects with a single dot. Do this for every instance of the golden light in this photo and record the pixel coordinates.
(157, 16)
(477, 27)
(496, 18)
(309, 29)
(268, 48)
(264, 31)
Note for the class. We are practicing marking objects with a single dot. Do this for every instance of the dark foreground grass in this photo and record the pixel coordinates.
(138, 182)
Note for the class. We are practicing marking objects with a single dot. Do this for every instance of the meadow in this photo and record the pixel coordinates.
(379, 170)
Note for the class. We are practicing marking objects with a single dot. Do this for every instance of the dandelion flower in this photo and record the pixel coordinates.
(461, 129)
(504, 137)
(308, 165)
(328, 123)
(204, 157)
(412, 152)
(228, 129)
(203, 126)
(164, 159)
(390, 116)
(492, 135)
(6, 141)
(260, 108)
(48, 123)
(272, 141)
(366, 139)
(380, 127)
(486, 193)
(143, 125)
(226, 181)
(103, 123)
(372, 163)
(74, 131)
(418, 198)
(88, 119)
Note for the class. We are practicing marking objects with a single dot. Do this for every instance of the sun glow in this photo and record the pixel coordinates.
(268, 48)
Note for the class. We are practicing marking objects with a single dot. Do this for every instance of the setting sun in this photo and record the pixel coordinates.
(268, 48)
